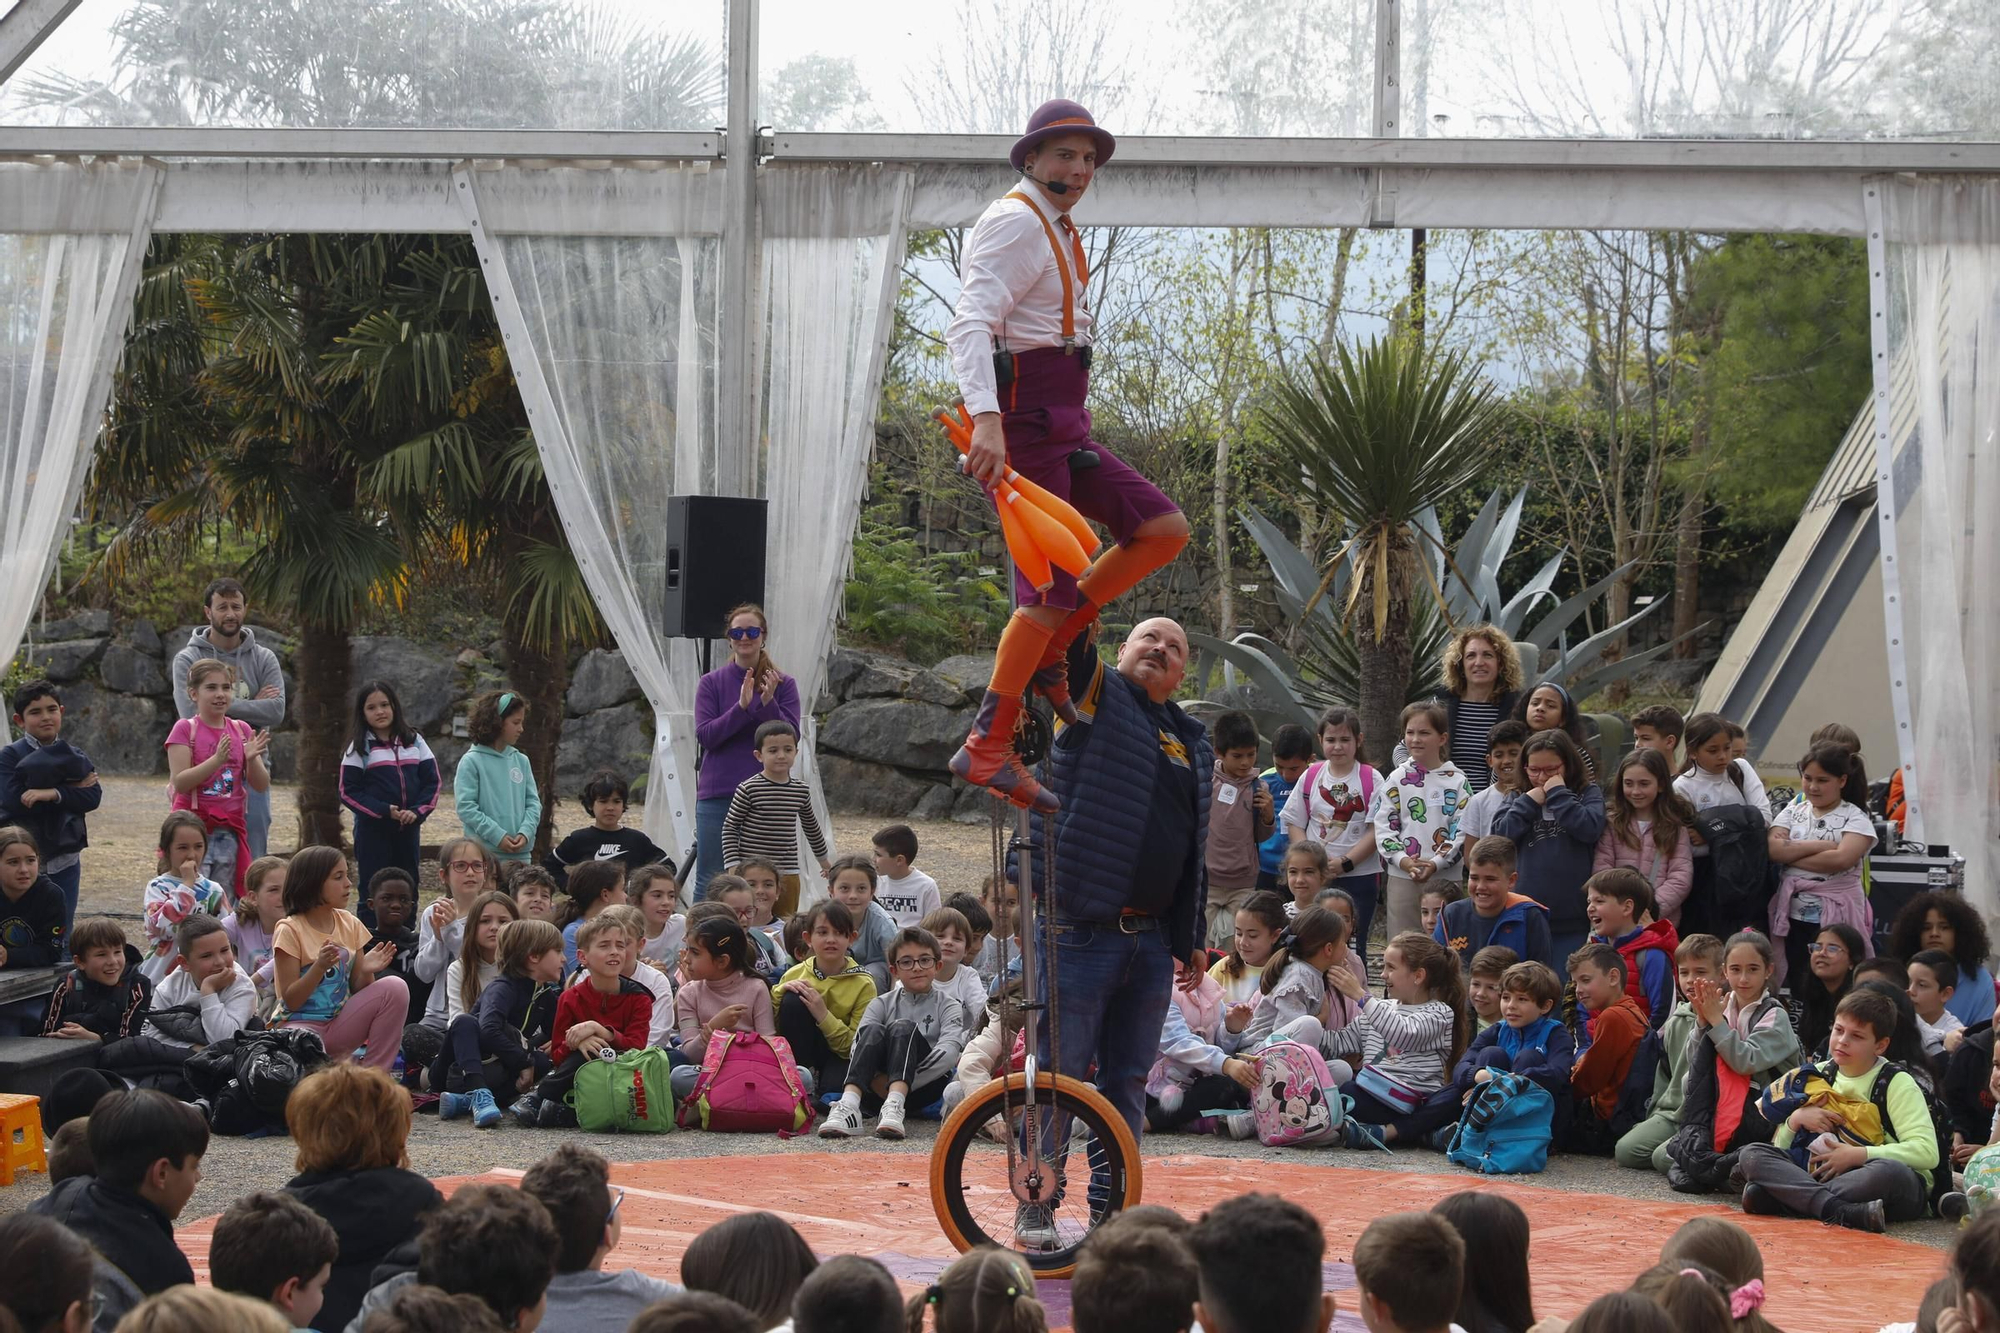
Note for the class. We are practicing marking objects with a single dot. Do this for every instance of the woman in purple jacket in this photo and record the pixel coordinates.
(729, 704)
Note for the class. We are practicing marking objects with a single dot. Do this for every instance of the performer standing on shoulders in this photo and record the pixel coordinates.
(1020, 342)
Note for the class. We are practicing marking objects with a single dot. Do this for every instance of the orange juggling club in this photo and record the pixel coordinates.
(1041, 528)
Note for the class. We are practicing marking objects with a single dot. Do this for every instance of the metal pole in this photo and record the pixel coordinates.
(25, 27)
(736, 424)
(1388, 105)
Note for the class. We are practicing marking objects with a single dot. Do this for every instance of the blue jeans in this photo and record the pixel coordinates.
(707, 842)
(68, 879)
(1366, 890)
(257, 823)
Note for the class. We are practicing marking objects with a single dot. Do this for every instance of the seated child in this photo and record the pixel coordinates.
(1644, 1146)
(797, 939)
(1616, 901)
(593, 886)
(820, 1002)
(1259, 924)
(105, 994)
(1297, 1004)
(1409, 1268)
(955, 976)
(1002, 903)
(660, 1030)
(31, 923)
(1135, 1272)
(215, 997)
(605, 838)
(906, 1046)
(721, 993)
(392, 893)
(1431, 903)
(534, 891)
(735, 893)
(609, 1011)
(1528, 1040)
(147, 1149)
(763, 879)
(1260, 1262)
(1492, 912)
(982, 1055)
(272, 1248)
(1854, 1145)
(1407, 1044)
(1304, 873)
(907, 894)
(1193, 1074)
(657, 894)
(496, 1050)
(1336, 899)
(1980, 1161)
(848, 1294)
(1743, 1040)
(1482, 986)
(1614, 1066)
(851, 883)
(1933, 981)
(973, 909)
(178, 890)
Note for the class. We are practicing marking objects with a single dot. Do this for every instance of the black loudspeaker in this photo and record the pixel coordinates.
(715, 560)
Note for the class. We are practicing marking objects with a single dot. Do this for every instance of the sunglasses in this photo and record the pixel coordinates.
(746, 632)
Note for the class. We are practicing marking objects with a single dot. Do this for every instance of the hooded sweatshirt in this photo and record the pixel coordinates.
(371, 1212)
(1543, 1051)
(1522, 925)
(256, 667)
(495, 794)
(1556, 847)
(1648, 952)
(1599, 1074)
(31, 926)
(1670, 1077)
(114, 1011)
(1416, 815)
(847, 993)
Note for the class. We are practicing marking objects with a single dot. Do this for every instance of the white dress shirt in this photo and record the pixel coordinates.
(1011, 289)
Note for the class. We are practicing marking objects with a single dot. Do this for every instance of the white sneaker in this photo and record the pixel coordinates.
(1241, 1126)
(842, 1122)
(1035, 1227)
(890, 1126)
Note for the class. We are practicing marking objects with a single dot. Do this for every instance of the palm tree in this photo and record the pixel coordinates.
(1375, 437)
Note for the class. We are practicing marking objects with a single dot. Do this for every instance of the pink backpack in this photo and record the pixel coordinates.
(1295, 1104)
(749, 1084)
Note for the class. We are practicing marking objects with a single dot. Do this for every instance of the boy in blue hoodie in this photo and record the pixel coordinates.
(1291, 756)
(1527, 1040)
(48, 786)
(1492, 913)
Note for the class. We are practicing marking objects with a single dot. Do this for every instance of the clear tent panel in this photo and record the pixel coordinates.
(412, 64)
(1700, 69)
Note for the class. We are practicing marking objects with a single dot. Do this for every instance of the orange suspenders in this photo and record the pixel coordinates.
(1066, 266)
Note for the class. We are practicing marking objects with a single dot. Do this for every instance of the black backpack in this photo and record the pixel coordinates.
(1739, 874)
(248, 1079)
(1940, 1182)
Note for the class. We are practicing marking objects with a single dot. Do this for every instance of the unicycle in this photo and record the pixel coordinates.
(1034, 1160)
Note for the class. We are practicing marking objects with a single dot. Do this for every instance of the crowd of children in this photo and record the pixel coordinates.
(356, 1242)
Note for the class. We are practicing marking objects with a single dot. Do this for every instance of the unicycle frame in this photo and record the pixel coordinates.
(1031, 1182)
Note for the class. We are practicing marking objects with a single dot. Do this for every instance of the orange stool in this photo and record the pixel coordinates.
(21, 1137)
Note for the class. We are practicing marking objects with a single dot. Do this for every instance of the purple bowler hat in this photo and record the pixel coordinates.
(1061, 116)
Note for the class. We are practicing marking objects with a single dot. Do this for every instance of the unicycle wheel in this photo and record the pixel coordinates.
(973, 1191)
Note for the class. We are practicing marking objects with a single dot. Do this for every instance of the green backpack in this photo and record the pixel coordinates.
(629, 1094)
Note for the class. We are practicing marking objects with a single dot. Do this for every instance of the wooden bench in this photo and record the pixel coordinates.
(24, 983)
(31, 1065)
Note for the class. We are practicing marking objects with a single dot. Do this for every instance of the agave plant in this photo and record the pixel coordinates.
(1323, 666)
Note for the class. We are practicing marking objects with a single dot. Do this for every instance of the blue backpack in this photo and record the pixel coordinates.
(1505, 1128)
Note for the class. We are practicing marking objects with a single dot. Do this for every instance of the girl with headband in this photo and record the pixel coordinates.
(495, 787)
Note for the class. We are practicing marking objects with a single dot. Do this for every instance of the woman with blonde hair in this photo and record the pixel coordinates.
(352, 1127)
(1482, 685)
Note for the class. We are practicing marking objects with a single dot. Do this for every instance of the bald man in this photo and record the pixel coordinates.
(1133, 775)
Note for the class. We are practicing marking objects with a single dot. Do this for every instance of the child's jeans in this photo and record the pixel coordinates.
(218, 861)
(1900, 1189)
(1366, 890)
(372, 1017)
(463, 1052)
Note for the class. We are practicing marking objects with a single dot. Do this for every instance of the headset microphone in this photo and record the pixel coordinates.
(1053, 187)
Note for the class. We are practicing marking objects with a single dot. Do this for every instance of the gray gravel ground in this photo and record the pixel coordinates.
(234, 1167)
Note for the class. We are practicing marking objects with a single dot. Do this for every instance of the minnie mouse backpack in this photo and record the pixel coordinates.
(1295, 1104)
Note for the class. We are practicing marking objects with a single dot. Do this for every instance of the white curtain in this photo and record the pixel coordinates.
(612, 339)
(832, 256)
(606, 284)
(67, 279)
(1942, 242)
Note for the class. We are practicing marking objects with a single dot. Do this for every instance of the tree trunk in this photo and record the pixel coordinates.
(326, 673)
(1385, 663)
(542, 677)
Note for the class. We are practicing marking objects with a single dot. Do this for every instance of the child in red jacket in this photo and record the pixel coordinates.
(1610, 1047)
(608, 1011)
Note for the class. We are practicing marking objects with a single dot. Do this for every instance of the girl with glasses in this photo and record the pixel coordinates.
(1833, 954)
(730, 703)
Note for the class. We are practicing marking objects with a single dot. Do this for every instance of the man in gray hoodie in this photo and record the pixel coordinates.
(260, 684)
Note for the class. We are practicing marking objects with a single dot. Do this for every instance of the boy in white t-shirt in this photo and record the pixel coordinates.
(956, 976)
(1503, 756)
(905, 893)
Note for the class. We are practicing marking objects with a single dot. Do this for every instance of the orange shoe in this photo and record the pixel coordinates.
(987, 758)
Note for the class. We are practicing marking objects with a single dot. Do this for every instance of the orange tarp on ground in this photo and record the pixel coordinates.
(1820, 1278)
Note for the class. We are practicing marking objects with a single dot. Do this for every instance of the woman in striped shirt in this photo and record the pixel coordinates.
(1482, 684)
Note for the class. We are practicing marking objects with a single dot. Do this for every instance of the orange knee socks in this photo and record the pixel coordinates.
(1121, 568)
(1021, 647)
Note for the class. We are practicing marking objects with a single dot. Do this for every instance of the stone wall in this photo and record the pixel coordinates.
(886, 730)
(115, 685)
